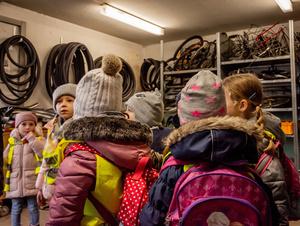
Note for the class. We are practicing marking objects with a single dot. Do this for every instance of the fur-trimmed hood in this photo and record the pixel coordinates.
(108, 128)
(220, 139)
(122, 141)
(226, 122)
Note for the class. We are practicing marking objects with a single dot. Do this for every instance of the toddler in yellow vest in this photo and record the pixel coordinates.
(63, 99)
(23, 156)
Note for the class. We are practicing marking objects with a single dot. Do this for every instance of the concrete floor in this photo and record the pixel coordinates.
(25, 219)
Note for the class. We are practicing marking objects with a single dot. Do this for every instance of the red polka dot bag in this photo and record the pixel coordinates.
(135, 192)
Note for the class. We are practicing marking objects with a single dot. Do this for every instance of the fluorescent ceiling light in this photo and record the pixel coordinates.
(127, 18)
(285, 5)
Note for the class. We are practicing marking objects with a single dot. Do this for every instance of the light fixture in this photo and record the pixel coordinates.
(285, 5)
(127, 18)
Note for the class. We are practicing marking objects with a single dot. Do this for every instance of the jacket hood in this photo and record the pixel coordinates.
(216, 123)
(220, 139)
(108, 128)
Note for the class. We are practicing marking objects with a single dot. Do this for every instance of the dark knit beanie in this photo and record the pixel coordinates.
(148, 107)
(68, 89)
(202, 97)
(25, 116)
(100, 89)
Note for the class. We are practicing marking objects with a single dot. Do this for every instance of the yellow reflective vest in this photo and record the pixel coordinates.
(108, 190)
(54, 159)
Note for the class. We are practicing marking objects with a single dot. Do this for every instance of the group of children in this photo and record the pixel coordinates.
(26, 166)
(91, 141)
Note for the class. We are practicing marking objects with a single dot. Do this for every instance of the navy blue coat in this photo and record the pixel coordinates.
(226, 140)
(159, 134)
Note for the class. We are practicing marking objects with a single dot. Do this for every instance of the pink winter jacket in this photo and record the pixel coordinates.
(122, 141)
(22, 176)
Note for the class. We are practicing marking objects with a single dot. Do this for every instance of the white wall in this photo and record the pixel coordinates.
(45, 32)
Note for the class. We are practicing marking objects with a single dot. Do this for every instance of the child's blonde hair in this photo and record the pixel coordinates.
(248, 87)
(245, 86)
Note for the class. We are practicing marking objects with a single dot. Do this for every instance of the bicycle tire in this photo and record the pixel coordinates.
(198, 58)
(150, 74)
(4, 211)
(180, 47)
(276, 101)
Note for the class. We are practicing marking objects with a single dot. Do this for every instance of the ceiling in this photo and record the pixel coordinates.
(180, 18)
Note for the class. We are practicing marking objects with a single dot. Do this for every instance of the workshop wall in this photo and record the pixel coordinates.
(45, 32)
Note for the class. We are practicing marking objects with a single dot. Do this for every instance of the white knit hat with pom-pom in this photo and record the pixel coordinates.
(100, 90)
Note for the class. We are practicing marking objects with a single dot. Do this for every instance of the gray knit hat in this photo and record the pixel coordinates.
(148, 107)
(202, 97)
(63, 90)
(100, 89)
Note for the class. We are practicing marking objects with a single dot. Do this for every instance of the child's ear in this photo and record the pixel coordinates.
(243, 105)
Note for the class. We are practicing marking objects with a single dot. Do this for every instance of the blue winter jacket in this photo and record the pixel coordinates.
(223, 140)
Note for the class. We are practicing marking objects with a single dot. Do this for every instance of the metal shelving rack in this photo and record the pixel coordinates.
(288, 60)
(260, 62)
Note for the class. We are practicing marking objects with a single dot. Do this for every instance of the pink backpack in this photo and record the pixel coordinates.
(206, 194)
(291, 178)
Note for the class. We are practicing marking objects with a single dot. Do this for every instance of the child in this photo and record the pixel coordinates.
(202, 136)
(101, 141)
(148, 108)
(63, 99)
(243, 96)
(175, 119)
(23, 155)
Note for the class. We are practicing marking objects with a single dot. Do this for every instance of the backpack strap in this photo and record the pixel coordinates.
(84, 146)
(259, 168)
(107, 216)
(263, 156)
(142, 165)
(174, 162)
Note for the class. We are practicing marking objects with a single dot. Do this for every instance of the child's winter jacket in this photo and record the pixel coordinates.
(24, 163)
(120, 141)
(222, 140)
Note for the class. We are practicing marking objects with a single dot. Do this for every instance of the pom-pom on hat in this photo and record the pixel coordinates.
(202, 97)
(25, 116)
(68, 89)
(148, 107)
(100, 90)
